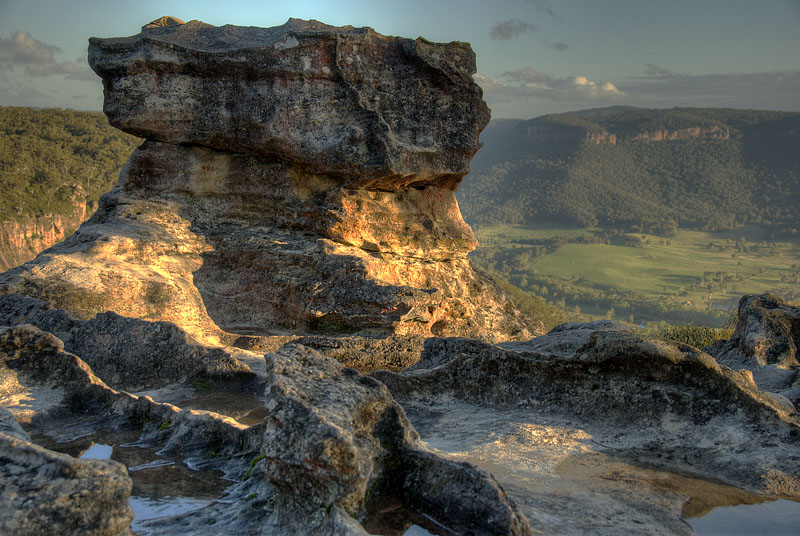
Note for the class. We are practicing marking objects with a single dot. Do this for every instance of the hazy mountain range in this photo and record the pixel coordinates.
(653, 170)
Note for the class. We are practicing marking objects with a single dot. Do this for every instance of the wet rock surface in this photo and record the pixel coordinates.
(590, 403)
(587, 415)
(49, 493)
(58, 399)
(333, 437)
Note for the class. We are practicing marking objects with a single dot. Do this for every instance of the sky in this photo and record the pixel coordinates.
(534, 56)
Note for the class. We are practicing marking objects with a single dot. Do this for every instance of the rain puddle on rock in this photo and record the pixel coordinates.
(244, 407)
(161, 486)
(777, 518)
(389, 516)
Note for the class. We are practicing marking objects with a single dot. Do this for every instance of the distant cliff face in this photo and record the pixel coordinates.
(553, 133)
(21, 240)
(691, 133)
(549, 132)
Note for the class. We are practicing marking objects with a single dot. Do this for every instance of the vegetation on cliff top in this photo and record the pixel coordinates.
(617, 167)
(51, 158)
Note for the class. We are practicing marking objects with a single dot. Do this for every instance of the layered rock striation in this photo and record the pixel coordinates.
(297, 179)
(21, 240)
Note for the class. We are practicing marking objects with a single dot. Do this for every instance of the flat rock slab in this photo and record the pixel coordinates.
(386, 112)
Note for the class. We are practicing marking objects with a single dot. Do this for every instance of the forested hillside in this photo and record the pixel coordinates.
(54, 164)
(52, 159)
(640, 170)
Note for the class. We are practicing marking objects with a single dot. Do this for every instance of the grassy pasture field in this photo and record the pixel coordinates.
(693, 270)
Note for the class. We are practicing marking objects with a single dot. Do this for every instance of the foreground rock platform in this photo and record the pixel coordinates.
(332, 439)
(597, 418)
(590, 429)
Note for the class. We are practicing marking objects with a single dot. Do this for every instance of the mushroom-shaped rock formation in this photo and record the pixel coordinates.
(296, 179)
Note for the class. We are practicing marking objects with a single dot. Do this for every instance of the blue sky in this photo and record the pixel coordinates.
(534, 56)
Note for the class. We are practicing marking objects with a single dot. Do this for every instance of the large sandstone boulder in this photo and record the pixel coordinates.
(765, 342)
(295, 180)
(387, 112)
(333, 438)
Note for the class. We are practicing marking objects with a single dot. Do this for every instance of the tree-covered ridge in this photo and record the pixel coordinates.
(605, 167)
(51, 158)
(628, 121)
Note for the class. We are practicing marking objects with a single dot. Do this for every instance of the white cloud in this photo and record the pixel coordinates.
(528, 82)
(38, 58)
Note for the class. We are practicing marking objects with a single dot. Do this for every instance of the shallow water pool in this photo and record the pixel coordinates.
(776, 518)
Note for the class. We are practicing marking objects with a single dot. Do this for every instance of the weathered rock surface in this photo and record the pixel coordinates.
(765, 342)
(85, 496)
(541, 414)
(333, 437)
(386, 111)
(9, 425)
(296, 179)
(45, 493)
(126, 352)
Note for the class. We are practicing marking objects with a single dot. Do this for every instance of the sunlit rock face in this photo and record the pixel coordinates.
(297, 179)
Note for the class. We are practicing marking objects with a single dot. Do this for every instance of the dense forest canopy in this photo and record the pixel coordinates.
(645, 170)
(51, 158)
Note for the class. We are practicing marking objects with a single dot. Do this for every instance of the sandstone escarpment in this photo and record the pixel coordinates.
(21, 240)
(296, 179)
(541, 131)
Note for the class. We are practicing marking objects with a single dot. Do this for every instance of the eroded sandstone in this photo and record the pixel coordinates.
(333, 437)
(664, 404)
(303, 189)
(765, 342)
(388, 112)
(596, 418)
